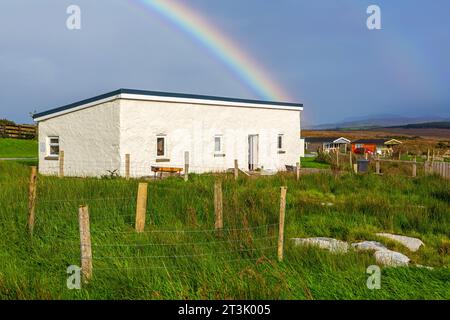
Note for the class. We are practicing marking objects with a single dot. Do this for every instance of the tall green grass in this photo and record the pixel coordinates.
(16, 148)
(310, 162)
(180, 256)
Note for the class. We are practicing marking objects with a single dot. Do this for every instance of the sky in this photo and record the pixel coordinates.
(318, 51)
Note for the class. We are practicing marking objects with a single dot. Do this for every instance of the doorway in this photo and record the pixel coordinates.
(253, 148)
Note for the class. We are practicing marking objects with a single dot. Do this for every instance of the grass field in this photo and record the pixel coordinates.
(180, 257)
(15, 148)
(310, 162)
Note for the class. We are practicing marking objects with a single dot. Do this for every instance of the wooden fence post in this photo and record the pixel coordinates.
(351, 159)
(355, 168)
(218, 207)
(281, 224)
(127, 166)
(428, 155)
(337, 159)
(85, 243)
(61, 163)
(236, 169)
(141, 207)
(297, 170)
(414, 168)
(32, 200)
(377, 166)
(186, 165)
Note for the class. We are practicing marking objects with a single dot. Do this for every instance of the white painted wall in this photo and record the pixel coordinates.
(192, 127)
(89, 138)
(96, 139)
(302, 147)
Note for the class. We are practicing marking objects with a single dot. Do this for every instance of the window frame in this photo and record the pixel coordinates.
(280, 144)
(220, 137)
(164, 137)
(51, 144)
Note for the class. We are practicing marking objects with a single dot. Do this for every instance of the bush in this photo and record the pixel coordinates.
(323, 157)
(6, 122)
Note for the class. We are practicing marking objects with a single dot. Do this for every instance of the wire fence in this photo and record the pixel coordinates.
(126, 249)
(118, 168)
(117, 246)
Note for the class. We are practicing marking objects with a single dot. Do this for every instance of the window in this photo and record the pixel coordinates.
(53, 146)
(280, 142)
(218, 144)
(161, 146)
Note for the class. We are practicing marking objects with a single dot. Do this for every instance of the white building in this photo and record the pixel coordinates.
(157, 128)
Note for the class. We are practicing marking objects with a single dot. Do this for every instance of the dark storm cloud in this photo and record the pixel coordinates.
(320, 51)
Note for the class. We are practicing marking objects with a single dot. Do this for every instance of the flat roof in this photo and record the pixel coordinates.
(370, 141)
(320, 139)
(180, 96)
(323, 139)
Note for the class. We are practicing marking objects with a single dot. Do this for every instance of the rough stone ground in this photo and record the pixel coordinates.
(382, 254)
(413, 244)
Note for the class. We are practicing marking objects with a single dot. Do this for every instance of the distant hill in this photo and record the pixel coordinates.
(426, 125)
(383, 121)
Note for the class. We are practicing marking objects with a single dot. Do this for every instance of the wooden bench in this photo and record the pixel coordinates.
(170, 170)
(290, 168)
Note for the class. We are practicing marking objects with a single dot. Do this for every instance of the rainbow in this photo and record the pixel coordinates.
(223, 48)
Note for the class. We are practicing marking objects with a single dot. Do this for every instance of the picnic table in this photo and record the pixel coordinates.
(161, 170)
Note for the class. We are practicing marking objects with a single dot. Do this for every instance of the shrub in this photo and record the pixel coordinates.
(323, 157)
(6, 122)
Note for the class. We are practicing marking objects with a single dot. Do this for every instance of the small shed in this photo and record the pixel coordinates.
(326, 144)
(374, 146)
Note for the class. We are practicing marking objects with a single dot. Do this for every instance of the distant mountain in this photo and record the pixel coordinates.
(433, 125)
(378, 121)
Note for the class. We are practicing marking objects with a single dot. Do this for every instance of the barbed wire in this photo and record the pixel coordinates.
(176, 244)
(92, 218)
(191, 231)
(85, 200)
(132, 205)
(168, 267)
(177, 256)
(133, 232)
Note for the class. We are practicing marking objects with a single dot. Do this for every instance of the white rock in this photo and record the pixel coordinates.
(328, 204)
(412, 244)
(391, 258)
(369, 245)
(333, 245)
(425, 267)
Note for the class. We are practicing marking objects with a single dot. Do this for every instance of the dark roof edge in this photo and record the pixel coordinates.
(370, 140)
(76, 104)
(162, 94)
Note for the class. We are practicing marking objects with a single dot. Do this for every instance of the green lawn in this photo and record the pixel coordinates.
(310, 162)
(180, 257)
(15, 148)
